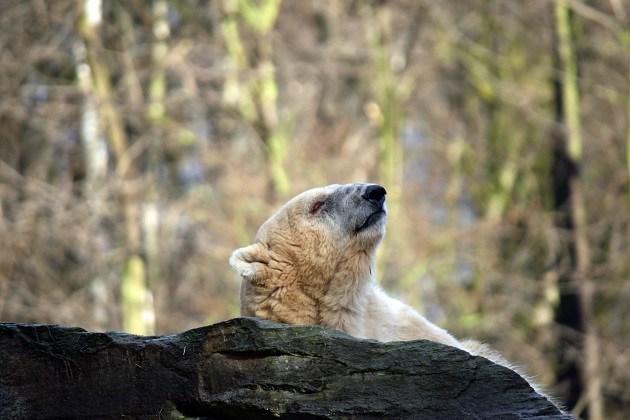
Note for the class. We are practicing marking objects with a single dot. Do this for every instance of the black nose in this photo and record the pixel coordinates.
(375, 194)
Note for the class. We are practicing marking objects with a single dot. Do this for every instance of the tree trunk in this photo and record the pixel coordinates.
(257, 97)
(581, 374)
(96, 156)
(249, 368)
(137, 297)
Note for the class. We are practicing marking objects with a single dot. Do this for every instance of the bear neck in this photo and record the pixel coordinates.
(344, 302)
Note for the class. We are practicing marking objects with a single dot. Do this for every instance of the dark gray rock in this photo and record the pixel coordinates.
(249, 368)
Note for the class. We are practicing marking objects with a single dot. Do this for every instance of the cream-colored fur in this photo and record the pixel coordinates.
(312, 262)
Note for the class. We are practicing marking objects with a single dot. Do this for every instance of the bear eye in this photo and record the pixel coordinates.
(317, 206)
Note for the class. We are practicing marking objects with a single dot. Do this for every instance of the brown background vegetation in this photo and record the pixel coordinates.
(139, 148)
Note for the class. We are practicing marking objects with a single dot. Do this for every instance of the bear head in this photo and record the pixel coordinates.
(325, 237)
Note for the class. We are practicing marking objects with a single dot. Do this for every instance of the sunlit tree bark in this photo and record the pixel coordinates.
(385, 111)
(96, 154)
(138, 313)
(157, 117)
(256, 99)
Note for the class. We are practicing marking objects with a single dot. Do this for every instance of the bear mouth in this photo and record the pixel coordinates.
(371, 220)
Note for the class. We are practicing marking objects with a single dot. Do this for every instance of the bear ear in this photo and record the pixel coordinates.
(250, 262)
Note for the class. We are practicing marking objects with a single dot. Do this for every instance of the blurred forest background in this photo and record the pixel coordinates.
(141, 142)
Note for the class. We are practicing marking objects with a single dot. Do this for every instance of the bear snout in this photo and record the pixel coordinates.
(375, 194)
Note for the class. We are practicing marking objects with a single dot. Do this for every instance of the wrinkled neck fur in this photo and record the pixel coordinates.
(345, 300)
(350, 277)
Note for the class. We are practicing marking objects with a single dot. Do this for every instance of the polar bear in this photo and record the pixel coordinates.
(312, 262)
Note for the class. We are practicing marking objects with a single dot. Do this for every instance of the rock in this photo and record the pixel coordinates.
(250, 368)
